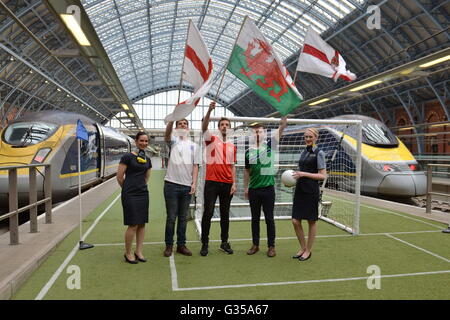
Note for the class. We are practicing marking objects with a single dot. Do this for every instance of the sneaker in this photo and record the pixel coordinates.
(183, 250)
(204, 250)
(254, 249)
(225, 247)
(271, 252)
(168, 251)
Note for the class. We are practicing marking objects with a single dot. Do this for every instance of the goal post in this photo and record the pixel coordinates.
(340, 192)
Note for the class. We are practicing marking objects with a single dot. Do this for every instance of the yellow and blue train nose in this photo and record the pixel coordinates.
(14, 155)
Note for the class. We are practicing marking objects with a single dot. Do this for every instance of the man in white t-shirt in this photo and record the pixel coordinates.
(179, 183)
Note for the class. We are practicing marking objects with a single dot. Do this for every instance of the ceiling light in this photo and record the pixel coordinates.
(406, 128)
(319, 101)
(439, 125)
(370, 84)
(125, 107)
(432, 63)
(75, 28)
(131, 115)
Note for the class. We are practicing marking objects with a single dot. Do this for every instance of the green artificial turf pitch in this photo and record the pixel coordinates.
(411, 253)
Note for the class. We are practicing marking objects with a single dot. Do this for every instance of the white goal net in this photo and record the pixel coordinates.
(341, 142)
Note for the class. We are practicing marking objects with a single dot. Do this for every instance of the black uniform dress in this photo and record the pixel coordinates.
(307, 191)
(135, 197)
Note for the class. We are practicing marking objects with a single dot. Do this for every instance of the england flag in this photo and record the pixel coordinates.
(197, 71)
(319, 57)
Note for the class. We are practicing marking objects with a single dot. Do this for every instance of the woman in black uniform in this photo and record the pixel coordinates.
(312, 169)
(136, 168)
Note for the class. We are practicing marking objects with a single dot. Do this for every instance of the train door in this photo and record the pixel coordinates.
(88, 159)
(101, 151)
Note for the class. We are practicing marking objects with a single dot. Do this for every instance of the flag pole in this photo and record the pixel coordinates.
(296, 68)
(229, 58)
(184, 57)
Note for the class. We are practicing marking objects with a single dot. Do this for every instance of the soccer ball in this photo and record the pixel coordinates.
(287, 178)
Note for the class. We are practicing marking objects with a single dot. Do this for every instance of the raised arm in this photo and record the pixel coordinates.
(168, 133)
(283, 124)
(205, 122)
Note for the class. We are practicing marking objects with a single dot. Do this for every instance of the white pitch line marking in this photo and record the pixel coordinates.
(403, 216)
(416, 247)
(173, 273)
(278, 238)
(58, 272)
(389, 211)
(310, 281)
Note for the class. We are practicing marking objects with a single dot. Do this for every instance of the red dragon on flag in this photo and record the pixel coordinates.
(254, 61)
(259, 60)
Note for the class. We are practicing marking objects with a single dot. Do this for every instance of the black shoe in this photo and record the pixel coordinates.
(297, 256)
(225, 247)
(139, 259)
(129, 261)
(204, 250)
(304, 259)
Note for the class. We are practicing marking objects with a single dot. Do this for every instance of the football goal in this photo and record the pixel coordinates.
(340, 191)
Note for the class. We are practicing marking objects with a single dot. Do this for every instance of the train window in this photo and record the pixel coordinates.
(378, 135)
(23, 134)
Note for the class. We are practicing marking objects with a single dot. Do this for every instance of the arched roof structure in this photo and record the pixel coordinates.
(145, 40)
(138, 49)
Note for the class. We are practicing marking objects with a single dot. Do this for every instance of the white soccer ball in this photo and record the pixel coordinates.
(287, 178)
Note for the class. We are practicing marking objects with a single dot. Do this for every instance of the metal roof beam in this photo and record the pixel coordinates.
(171, 43)
(438, 96)
(411, 118)
(126, 43)
(65, 53)
(430, 16)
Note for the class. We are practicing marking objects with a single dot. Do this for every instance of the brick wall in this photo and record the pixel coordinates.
(438, 144)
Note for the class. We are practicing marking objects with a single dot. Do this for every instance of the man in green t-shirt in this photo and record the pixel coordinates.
(259, 182)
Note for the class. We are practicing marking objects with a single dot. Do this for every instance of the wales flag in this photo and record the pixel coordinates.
(255, 62)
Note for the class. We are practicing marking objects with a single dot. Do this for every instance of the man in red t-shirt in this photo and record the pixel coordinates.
(220, 180)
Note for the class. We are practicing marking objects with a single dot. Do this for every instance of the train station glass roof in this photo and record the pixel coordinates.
(145, 40)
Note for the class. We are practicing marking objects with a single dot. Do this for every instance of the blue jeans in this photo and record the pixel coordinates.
(177, 206)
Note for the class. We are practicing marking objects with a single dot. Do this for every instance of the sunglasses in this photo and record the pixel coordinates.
(308, 137)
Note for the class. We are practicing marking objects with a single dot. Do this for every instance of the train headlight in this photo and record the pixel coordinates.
(383, 167)
(396, 167)
(40, 156)
(386, 167)
(414, 167)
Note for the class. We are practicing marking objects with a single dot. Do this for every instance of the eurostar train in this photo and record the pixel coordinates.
(387, 167)
(50, 137)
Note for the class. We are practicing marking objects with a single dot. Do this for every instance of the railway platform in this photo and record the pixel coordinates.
(19, 261)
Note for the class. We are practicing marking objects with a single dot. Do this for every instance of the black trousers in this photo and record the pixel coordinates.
(214, 189)
(264, 197)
